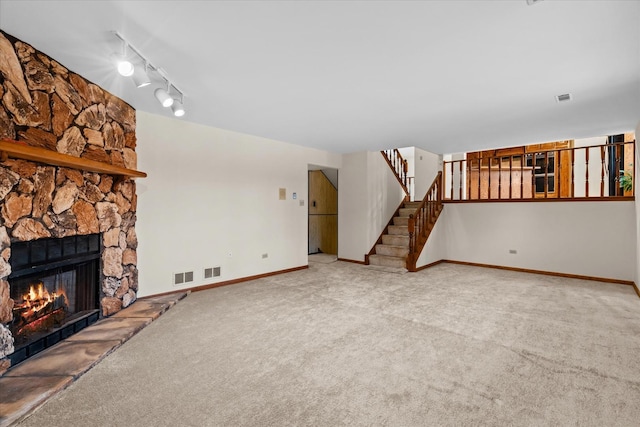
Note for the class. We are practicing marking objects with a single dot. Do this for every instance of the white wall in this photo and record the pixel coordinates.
(427, 165)
(210, 193)
(585, 238)
(369, 195)
(436, 247)
(352, 202)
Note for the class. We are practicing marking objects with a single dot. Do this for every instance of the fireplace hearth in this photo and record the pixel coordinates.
(54, 287)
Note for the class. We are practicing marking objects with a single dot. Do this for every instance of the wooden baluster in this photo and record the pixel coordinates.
(510, 177)
(546, 173)
(411, 228)
(479, 180)
(534, 159)
(573, 163)
(557, 182)
(499, 178)
(602, 171)
(522, 160)
(586, 175)
(451, 195)
(460, 180)
(619, 167)
(468, 168)
(489, 180)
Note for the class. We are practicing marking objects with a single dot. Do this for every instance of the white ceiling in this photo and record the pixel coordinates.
(345, 76)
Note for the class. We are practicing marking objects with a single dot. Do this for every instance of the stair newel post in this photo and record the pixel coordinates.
(412, 242)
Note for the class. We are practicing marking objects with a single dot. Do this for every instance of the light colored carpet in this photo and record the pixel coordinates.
(340, 344)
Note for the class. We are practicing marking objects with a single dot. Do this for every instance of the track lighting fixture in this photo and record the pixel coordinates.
(141, 77)
(178, 108)
(163, 97)
(125, 67)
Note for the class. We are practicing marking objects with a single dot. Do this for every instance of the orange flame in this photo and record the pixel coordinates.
(38, 297)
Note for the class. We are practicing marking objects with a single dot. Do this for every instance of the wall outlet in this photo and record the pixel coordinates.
(265, 256)
(301, 202)
(513, 251)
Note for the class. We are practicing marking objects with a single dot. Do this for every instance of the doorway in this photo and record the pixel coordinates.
(323, 212)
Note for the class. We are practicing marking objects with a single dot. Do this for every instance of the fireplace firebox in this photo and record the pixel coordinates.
(54, 287)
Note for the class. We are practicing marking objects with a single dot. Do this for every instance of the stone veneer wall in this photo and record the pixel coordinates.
(45, 105)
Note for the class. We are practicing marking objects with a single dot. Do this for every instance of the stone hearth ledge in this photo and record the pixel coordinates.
(26, 386)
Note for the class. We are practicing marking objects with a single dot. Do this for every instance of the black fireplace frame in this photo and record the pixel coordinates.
(34, 257)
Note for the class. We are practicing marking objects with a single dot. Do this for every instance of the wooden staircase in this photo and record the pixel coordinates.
(404, 237)
(394, 247)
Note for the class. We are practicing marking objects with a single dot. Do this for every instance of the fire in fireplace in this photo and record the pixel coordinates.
(54, 286)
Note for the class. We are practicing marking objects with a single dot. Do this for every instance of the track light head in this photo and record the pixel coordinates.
(124, 66)
(178, 108)
(162, 95)
(140, 77)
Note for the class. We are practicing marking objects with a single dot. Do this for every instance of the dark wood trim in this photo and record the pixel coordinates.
(566, 199)
(547, 273)
(352, 260)
(635, 287)
(233, 281)
(18, 150)
(433, 264)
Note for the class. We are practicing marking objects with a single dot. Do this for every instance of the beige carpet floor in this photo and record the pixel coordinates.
(339, 344)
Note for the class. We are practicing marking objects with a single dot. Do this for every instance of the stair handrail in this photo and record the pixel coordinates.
(400, 167)
(424, 219)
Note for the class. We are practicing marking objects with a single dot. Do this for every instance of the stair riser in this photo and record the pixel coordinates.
(392, 251)
(412, 205)
(387, 262)
(388, 239)
(398, 230)
(400, 220)
(406, 212)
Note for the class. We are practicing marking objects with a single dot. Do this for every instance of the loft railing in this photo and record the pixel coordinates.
(422, 221)
(400, 167)
(597, 172)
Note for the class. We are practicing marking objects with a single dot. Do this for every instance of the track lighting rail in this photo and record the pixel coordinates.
(163, 96)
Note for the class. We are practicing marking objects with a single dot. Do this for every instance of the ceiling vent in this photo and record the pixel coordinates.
(563, 98)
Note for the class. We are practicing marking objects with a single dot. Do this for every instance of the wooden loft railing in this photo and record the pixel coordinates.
(400, 167)
(18, 150)
(423, 220)
(597, 172)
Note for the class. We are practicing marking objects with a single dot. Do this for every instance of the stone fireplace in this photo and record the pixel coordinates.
(46, 209)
